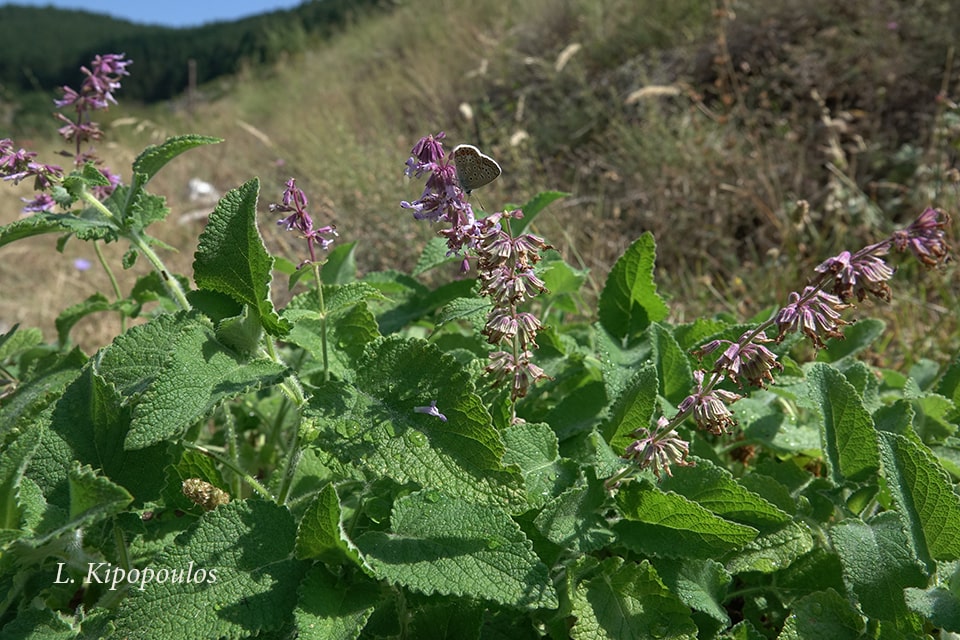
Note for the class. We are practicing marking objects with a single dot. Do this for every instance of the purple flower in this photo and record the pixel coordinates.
(815, 313)
(709, 407)
(82, 264)
(431, 410)
(658, 449)
(860, 274)
(294, 201)
(925, 238)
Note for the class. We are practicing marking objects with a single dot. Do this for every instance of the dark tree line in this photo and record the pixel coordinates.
(45, 47)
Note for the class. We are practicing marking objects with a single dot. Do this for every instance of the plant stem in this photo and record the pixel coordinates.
(113, 282)
(173, 286)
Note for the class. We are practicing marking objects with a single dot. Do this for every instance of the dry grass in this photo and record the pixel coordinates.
(641, 110)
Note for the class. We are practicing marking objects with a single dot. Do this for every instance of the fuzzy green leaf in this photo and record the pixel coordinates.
(243, 578)
(713, 487)
(440, 544)
(856, 338)
(333, 609)
(634, 408)
(534, 449)
(673, 367)
(878, 564)
(187, 387)
(823, 614)
(700, 584)
(924, 495)
(940, 606)
(629, 302)
(433, 255)
(96, 303)
(370, 428)
(154, 157)
(627, 601)
(232, 259)
(532, 208)
(669, 525)
(772, 551)
(848, 437)
(575, 520)
(320, 533)
(340, 266)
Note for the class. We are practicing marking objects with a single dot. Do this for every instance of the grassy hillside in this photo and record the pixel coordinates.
(705, 127)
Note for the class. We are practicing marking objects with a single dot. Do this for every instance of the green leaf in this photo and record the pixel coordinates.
(938, 605)
(154, 157)
(848, 437)
(232, 259)
(340, 267)
(575, 520)
(93, 498)
(923, 493)
(329, 608)
(441, 544)
(878, 564)
(700, 584)
(532, 209)
(534, 449)
(713, 487)
(96, 303)
(370, 428)
(320, 533)
(824, 614)
(634, 408)
(433, 255)
(238, 578)
(949, 384)
(14, 458)
(87, 225)
(673, 366)
(629, 302)
(186, 388)
(771, 552)
(856, 338)
(627, 601)
(15, 341)
(669, 525)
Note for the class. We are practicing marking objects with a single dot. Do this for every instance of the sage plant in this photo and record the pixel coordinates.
(815, 312)
(505, 263)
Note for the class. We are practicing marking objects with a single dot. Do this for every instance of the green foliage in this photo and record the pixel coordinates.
(371, 482)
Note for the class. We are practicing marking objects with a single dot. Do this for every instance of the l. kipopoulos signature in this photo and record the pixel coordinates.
(106, 573)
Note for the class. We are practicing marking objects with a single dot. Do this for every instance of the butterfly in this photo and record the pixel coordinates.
(474, 169)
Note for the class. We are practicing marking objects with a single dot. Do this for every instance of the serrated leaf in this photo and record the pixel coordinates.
(938, 605)
(89, 227)
(248, 584)
(532, 208)
(15, 341)
(673, 367)
(771, 552)
(629, 302)
(340, 267)
(634, 408)
(154, 157)
(232, 259)
(433, 255)
(856, 338)
(92, 498)
(186, 387)
(700, 584)
(534, 449)
(370, 428)
(441, 544)
(627, 601)
(713, 487)
(14, 458)
(848, 437)
(471, 309)
(320, 533)
(669, 525)
(332, 609)
(923, 493)
(96, 303)
(824, 614)
(575, 520)
(878, 564)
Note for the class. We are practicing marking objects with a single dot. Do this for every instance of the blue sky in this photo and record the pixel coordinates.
(170, 13)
